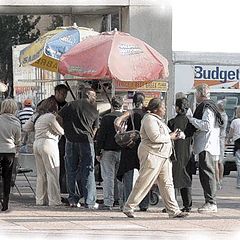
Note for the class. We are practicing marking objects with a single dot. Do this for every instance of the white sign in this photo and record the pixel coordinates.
(216, 76)
(221, 73)
(22, 75)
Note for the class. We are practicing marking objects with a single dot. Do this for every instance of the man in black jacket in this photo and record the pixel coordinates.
(80, 122)
(108, 152)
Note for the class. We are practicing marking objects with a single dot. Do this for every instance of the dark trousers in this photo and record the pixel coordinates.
(6, 166)
(207, 177)
(80, 158)
(186, 193)
(62, 175)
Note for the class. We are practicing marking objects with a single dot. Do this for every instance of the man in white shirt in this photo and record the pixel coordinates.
(206, 122)
(26, 112)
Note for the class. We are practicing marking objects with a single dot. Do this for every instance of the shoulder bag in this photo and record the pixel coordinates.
(127, 138)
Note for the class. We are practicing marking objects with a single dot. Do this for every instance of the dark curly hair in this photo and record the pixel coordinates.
(117, 102)
(138, 99)
(182, 104)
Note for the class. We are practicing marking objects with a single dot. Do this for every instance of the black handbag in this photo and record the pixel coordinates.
(127, 138)
(236, 145)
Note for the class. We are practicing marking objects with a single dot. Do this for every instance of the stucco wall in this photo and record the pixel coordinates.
(153, 24)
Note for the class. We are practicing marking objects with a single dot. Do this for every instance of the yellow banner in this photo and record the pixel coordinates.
(46, 63)
(155, 85)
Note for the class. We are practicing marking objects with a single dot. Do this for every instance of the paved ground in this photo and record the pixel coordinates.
(27, 221)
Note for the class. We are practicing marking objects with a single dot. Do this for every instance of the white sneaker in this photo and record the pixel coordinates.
(208, 208)
(92, 207)
(219, 186)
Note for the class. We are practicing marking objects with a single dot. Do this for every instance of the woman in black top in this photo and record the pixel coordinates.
(182, 177)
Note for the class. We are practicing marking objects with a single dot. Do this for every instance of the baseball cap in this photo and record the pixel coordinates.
(27, 102)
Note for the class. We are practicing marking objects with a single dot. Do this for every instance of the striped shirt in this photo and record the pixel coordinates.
(24, 114)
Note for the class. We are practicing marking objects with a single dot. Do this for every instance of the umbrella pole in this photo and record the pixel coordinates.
(74, 98)
(104, 89)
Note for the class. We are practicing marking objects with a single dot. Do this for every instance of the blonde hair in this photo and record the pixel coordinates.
(238, 112)
(203, 89)
(8, 106)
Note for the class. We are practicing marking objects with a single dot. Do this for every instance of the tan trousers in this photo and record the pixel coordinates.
(47, 165)
(153, 169)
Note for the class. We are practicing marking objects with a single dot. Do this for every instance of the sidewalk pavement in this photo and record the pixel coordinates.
(27, 221)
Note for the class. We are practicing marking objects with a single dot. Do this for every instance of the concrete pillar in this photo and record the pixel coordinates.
(90, 21)
(153, 24)
(67, 20)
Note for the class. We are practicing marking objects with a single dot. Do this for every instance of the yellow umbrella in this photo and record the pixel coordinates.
(46, 51)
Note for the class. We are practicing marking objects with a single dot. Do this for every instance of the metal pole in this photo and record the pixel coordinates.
(74, 97)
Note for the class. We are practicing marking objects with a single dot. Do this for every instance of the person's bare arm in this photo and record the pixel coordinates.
(119, 120)
(94, 131)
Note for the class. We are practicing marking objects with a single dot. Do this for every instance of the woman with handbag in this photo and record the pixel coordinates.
(129, 163)
(154, 152)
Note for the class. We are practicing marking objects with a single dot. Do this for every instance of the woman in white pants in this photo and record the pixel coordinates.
(45, 148)
(154, 152)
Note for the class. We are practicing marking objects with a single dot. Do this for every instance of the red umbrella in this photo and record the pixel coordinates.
(114, 55)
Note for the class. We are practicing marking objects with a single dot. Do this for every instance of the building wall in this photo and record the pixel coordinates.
(149, 20)
(153, 24)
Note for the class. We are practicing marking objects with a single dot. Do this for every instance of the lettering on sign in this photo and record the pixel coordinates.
(127, 49)
(155, 85)
(216, 73)
(47, 63)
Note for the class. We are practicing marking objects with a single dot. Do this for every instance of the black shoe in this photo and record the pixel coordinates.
(143, 209)
(5, 208)
(104, 207)
(129, 214)
(164, 210)
(186, 209)
(65, 201)
(99, 201)
(5, 203)
(116, 203)
(180, 215)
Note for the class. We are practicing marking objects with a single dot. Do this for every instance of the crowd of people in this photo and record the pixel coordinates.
(69, 139)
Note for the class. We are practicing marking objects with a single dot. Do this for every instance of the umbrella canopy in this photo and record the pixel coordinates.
(114, 55)
(3, 87)
(46, 51)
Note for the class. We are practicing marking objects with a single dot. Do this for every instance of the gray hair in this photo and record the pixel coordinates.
(203, 90)
(220, 105)
(9, 106)
(180, 95)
